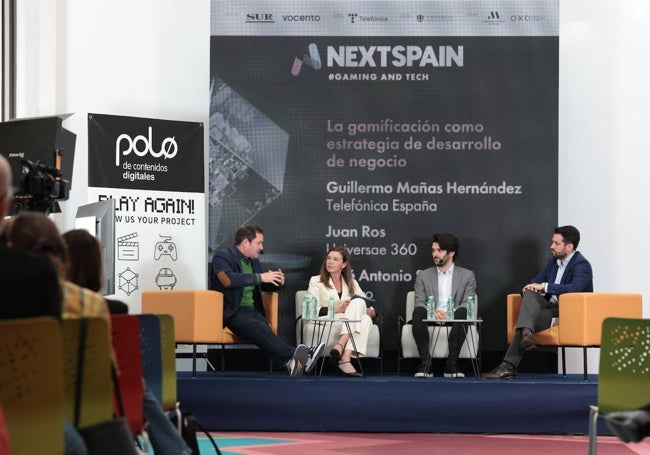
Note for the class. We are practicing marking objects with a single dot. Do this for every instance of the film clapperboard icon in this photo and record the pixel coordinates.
(126, 250)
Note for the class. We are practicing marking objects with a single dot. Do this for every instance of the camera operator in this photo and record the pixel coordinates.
(28, 283)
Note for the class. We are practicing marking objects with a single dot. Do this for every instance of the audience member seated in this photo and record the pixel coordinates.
(34, 231)
(85, 267)
(335, 281)
(20, 270)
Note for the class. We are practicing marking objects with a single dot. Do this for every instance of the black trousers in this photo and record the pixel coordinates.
(421, 334)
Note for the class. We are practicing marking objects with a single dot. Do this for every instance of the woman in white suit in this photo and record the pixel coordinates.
(335, 280)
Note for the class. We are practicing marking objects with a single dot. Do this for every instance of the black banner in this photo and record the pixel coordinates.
(146, 154)
(376, 139)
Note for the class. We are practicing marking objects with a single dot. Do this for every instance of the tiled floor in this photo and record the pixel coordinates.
(255, 443)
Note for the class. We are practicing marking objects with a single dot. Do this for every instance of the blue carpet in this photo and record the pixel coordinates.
(541, 403)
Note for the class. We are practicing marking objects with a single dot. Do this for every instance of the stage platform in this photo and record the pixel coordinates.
(257, 401)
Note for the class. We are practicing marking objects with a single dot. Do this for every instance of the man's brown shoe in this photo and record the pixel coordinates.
(504, 371)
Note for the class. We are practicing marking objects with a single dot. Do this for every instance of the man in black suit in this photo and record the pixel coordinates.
(29, 285)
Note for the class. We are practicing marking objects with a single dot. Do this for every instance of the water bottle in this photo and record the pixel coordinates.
(331, 308)
(313, 311)
(450, 309)
(306, 306)
(471, 307)
(431, 307)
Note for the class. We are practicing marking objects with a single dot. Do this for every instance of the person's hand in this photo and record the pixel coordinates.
(275, 277)
(534, 287)
(341, 307)
(442, 315)
(371, 312)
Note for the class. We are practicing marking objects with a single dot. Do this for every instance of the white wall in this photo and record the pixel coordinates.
(604, 148)
(149, 58)
(143, 58)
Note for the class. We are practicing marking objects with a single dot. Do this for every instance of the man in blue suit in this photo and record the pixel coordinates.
(566, 271)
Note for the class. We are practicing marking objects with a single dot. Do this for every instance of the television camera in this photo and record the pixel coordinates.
(40, 153)
(41, 186)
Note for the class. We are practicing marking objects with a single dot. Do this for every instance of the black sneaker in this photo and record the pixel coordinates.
(452, 371)
(314, 355)
(298, 362)
(423, 372)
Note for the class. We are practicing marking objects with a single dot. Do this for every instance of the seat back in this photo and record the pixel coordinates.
(96, 391)
(581, 315)
(410, 305)
(168, 357)
(300, 296)
(126, 343)
(306, 334)
(198, 314)
(438, 335)
(624, 369)
(31, 389)
(151, 350)
(270, 300)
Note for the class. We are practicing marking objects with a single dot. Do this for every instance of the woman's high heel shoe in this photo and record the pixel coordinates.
(354, 373)
(335, 354)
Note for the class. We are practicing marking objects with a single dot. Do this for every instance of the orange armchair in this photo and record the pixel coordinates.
(198, 317)
(581, 318)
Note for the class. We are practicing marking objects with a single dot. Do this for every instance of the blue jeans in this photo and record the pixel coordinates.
(249, 323)
(164, 436)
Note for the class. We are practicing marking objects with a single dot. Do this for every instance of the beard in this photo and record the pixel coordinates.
(441, 262)
(558, 255)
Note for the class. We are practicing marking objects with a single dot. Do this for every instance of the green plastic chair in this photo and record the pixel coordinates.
(623, 372)
(168, 345)
(31, 384)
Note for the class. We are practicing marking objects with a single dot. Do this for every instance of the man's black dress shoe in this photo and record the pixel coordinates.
(527, 343)
(504, 371)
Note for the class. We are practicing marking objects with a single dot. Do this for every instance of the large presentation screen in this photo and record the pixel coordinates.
(375, 125)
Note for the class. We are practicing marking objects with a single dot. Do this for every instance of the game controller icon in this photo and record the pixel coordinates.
(165, 248)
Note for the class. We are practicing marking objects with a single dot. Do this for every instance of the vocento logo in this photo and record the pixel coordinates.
(124, 145)
(312, 60)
